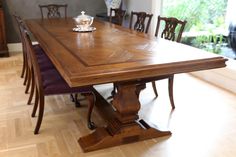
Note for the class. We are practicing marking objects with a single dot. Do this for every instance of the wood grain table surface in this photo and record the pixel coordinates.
(112, 53)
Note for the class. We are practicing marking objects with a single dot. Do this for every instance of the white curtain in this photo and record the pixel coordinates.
(156, 10)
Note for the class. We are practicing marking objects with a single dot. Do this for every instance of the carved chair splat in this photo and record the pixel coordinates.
(170, 29)
(53, 10)
(118, 16)
(140, 25)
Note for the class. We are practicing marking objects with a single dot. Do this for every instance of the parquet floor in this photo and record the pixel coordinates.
(203, 123)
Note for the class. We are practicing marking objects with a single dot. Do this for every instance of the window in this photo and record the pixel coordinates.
(202, 15)
(207, 27)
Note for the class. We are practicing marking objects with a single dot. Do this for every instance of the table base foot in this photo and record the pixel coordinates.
(105, 137)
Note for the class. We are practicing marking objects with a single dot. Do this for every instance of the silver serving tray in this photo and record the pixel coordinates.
(90, 29)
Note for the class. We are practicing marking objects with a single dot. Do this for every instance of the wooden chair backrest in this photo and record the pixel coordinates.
(32, 59)
(53, 10)
(118, 17)
(169, 31)
(140, 24)
(19, 23)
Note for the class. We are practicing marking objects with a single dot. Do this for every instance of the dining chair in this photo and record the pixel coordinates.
(172, 30)
(53, 10)
(25, 68)
(28, 80)
(142, 22)
(140, 25)
(117, 16)
(24, 71)
(48, 81)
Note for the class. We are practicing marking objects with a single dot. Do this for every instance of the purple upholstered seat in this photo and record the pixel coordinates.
(43, 60)
(45, 63)
(53, 83)
(38, 49)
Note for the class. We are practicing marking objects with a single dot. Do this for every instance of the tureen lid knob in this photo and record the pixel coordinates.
(82, 12)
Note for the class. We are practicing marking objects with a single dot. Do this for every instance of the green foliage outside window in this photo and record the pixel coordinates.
(201, 16)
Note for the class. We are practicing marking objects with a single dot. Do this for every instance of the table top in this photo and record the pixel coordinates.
(113, 53)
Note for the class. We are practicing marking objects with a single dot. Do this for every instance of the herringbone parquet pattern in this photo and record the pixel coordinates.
(203, 123)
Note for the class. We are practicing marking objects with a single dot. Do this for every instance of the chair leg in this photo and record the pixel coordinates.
(26, 75)
(28, 82)
(170, 86)
(40, 116)
(23, 68)
(77, 103)
(113, 92)
(72, 98)
(31, 90)
(139, 88)
(154, 88)
(35, 103)
(91, 98)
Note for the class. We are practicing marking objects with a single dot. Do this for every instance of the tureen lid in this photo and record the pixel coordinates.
(83, 16)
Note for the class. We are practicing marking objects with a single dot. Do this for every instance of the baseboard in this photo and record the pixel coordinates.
(16, 47)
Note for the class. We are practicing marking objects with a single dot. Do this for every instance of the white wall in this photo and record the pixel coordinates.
(139, 5)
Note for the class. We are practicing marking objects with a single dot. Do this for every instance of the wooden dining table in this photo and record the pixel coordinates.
(113, 54)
